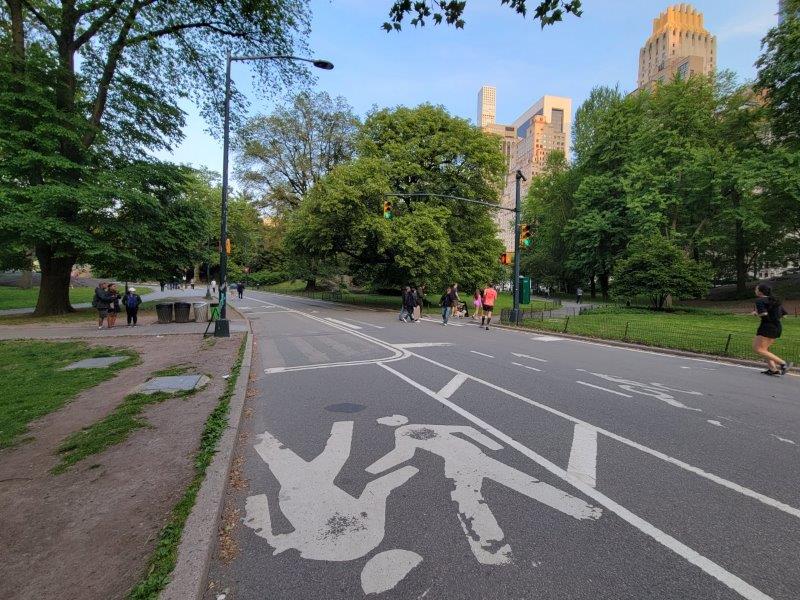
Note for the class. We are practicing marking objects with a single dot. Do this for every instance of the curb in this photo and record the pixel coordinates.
(199, 536)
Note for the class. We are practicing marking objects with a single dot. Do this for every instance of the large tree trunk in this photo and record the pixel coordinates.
(604, 285)
(54, 289)
(592, 287)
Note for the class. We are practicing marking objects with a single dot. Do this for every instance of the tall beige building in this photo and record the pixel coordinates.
(541, 129)
(679, 45)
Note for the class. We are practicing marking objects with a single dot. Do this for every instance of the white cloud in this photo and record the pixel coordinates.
(744, 27)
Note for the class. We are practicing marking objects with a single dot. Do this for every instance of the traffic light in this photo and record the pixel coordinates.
(387, 209)
(525, 239)
(228, 246)
(504, 259)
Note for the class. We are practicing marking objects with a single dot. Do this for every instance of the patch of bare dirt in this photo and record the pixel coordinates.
(87, 534)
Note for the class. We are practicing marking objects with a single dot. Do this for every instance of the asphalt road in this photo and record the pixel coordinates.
(395, 460)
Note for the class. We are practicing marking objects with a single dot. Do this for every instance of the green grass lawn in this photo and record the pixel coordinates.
(696, 331)
(34, 385)
(80, 315)
(13, 297)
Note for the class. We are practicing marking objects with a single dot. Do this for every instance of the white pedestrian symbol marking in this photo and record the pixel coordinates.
(467, 466)
(329, 523)
(654, 390)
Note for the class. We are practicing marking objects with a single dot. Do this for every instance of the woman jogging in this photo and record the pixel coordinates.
(770, 309)
(489, 297)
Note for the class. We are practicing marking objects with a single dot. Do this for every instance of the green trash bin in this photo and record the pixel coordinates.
(524, 290)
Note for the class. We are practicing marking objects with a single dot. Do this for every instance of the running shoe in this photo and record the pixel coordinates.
(785, 367)
(772, 373)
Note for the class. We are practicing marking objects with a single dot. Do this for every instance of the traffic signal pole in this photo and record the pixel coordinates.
(517, 212)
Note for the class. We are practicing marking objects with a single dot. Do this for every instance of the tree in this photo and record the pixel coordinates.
(282, 155)
(87, 86)
(451, 11)
(656, 268)
(779, 75)
(339, 227)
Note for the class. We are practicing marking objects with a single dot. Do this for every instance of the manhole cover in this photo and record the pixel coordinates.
(345, 407)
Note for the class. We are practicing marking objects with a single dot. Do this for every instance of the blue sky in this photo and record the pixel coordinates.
(445, 66)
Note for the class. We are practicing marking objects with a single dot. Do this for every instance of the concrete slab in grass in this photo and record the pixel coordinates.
(95, 363)
(176, 383)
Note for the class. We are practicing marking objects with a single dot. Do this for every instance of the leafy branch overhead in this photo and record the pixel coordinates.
(547, 12)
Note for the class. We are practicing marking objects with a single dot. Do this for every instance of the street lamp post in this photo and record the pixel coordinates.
(222, 325)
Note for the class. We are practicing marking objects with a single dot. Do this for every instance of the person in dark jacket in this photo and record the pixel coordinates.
(131, 301)
(113, 305)
(447, 302)
(410, 302)
(240, 289)
(102, 301)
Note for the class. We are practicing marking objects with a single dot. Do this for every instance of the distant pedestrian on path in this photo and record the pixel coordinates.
(579, 295)
(213, 286)
(101, 301)
(191, 282)
(418, 297)
(447, 301)
(771, 311)
(131, 301)
(240, 290)
(113, 307)
(162, 284)
(477, 303)
(489, 297)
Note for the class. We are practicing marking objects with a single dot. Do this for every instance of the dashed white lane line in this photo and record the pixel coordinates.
(482, 354)
(784, 440)
(583, 455)
(364, 323)
(715, 423)
(547, 338)
(734, 582)
(597, 387)
(423, 345)
(528, 357)
(530, 368)
(450, 388)
(342, 323)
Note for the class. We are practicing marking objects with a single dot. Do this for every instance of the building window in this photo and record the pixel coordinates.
(683, 70)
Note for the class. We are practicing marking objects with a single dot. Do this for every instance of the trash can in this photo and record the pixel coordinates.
(214, 308)
(164, 312)
(200, 311)
(182, 312)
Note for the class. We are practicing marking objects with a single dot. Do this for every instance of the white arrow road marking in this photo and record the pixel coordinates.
(583, 455)
(526, 367)
(385, 570)
(597, 387)
(450, 388)
(482, 354)
(528, 356)
(342, 323)
(734, 582)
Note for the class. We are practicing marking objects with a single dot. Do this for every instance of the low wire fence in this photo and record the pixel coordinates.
(697, 336)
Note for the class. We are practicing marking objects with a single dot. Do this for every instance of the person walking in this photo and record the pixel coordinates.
(411, 303)
(213, 286)
(101, 302)
(418, 293)
(162, 284)
(113, 306)
(579, 295)
(489, 298)
(240, 290)
(477, 303)
(446, 302)
(191, 282)
(131, 301)
(771, 311)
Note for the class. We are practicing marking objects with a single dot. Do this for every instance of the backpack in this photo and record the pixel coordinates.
(131, 302)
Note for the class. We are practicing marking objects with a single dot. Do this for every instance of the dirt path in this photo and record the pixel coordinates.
(87, 534)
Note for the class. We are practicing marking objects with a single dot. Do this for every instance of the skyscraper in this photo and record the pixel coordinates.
(679, 45)
(487, 106)
(541, 129)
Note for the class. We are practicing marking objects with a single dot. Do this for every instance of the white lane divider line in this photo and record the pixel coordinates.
(597, 387)
(482, 354)
(784, 440)
(423, 345)
(530, 368)
(583, 455)
(715, 423)
(547, 338)
(342, 323)
(450, 323)
(737, 584)
(528, 357)
(364, 323)
(450, 388)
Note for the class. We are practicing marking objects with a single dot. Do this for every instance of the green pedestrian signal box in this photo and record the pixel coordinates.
(524, 290)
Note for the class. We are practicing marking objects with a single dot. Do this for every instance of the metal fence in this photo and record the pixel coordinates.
(706, 339)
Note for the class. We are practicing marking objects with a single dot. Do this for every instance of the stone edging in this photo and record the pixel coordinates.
(187, 581)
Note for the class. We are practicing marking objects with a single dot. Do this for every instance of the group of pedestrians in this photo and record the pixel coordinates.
(108, 302)
(483, 301)
(412, 301)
